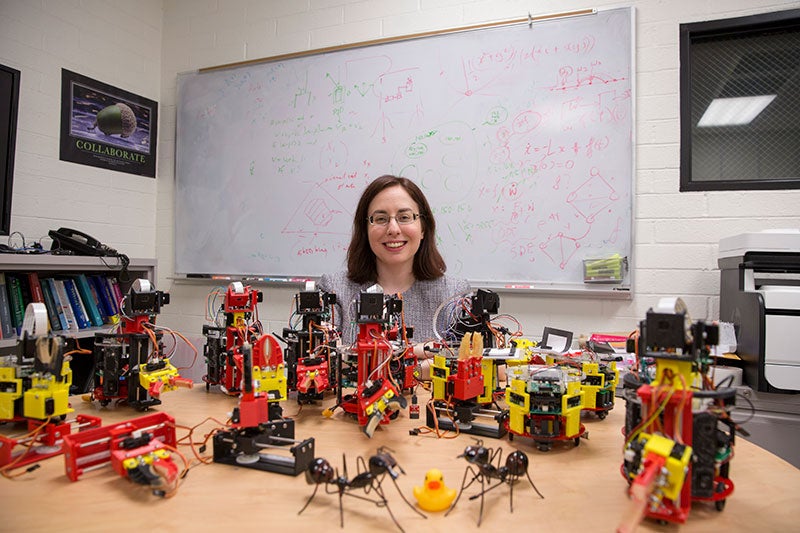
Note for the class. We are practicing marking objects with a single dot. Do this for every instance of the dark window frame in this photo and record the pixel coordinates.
(691, 33)
(9, 109)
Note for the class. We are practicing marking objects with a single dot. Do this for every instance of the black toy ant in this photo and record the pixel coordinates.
(369, 478)
(483, 458)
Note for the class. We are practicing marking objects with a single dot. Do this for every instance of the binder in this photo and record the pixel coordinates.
(6, 325)
(87, 298)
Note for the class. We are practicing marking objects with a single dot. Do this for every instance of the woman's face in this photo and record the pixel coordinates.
(394, 244)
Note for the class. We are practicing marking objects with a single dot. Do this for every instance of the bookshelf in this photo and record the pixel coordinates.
(46, 265)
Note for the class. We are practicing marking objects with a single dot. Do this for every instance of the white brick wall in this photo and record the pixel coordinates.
(114, 42)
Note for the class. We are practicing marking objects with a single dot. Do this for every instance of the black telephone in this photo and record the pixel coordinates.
(72, 240)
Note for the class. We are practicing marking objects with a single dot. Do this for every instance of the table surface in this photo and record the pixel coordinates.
(582, 485)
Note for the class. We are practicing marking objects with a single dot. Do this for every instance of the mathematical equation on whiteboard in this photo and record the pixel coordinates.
(521, 139)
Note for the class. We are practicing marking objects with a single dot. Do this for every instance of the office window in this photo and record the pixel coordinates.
(740, 103)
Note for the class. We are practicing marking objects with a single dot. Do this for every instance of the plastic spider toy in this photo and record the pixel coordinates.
(369, 479)
(484, 461)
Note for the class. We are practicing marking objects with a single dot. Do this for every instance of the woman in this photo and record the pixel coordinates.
(394, 245)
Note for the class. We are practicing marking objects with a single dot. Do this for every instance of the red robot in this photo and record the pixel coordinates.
(224, 354)
(378, 397)
(130, 364)
(257, 429)
(139, 449)
(310, 355)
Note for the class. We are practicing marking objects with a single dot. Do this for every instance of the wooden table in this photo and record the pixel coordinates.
(583, 487)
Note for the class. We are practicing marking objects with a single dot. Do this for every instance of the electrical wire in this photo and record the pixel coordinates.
(30, 438)
(213, 310)
(649, 420)
(435, 430)
(171, 488)
(193, 445)
(175, 334)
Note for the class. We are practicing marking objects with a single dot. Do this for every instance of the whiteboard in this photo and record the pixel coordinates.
(521, 137)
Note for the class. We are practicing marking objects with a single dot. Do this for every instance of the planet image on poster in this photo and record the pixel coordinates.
(115, 119)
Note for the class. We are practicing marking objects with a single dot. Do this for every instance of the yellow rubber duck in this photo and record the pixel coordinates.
(434, 495)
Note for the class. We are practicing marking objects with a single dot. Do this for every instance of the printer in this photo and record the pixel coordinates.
(760, 295)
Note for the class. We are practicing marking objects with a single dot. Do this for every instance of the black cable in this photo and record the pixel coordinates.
(123, 262)
(124, 274)
(752, 411)
(726, 382)
(718, 393)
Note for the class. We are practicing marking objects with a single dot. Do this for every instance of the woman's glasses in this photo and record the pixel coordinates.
(404, 218)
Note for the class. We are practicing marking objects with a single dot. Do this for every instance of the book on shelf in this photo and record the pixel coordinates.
(105, 299)
(35, 293)
(116, 291)
(66, 307)
(74, 298)
(101, 307)
(6, 324)
(16, 300)
(26, 288)
(35, 288)
(88, 300)
(49, 304)
(48, 286)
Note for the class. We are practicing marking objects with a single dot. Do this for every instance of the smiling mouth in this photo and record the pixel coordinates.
(394, 245)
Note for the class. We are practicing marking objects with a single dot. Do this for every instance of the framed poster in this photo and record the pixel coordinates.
(107, 127)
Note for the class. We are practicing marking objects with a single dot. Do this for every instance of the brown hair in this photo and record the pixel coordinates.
(361, 262)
